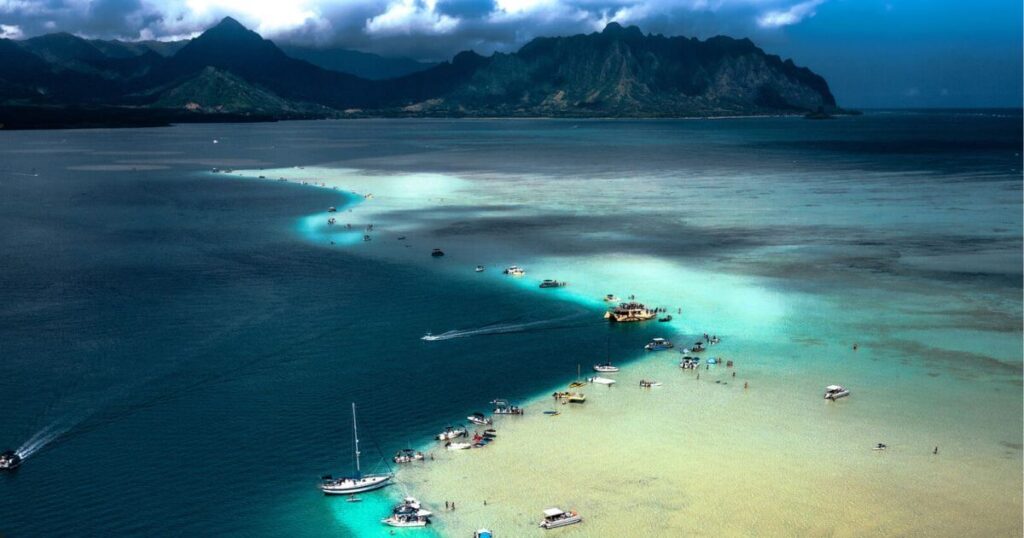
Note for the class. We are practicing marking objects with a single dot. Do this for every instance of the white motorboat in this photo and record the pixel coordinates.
(555, 517)
(457, 446)
(606, 368)
(548, 283)
(408, 513)
(611, 298)
(480, 419)
(602, 380)
(648, 383)
(834, 392)
(407, 455)
(514, 270)
(452, 432)
(358, 482)
(479, 269)
(504, 407)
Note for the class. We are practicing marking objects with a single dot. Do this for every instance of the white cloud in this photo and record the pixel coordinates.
(10, 31)
(793, 14)
(411, 17)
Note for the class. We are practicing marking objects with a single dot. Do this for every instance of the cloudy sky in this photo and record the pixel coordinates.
(874, 53)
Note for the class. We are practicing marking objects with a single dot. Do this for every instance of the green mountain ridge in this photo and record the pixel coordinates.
(618, 72)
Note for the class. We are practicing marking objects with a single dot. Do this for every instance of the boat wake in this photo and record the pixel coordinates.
(42, 438)
(505, 328)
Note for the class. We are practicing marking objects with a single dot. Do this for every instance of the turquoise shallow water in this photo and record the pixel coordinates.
(193, 340)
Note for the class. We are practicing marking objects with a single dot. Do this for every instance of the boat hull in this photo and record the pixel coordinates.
(561, 523)
(350, 486)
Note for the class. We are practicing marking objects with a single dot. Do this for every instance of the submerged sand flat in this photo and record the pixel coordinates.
(937, 364)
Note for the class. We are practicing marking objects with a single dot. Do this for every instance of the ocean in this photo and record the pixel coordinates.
(180, 347)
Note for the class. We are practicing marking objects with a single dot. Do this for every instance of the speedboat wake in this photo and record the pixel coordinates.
(42, 438)
(504, 328)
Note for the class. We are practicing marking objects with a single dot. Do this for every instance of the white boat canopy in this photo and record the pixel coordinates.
(553, 512)
(834, 387)
(603, 380)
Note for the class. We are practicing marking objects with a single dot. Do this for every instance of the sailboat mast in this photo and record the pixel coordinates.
(355, 435)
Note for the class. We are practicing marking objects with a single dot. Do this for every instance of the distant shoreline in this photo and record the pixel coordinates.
(33, 118)
(30, 118)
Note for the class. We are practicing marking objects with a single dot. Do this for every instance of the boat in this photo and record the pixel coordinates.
(665, 319)
(479, 269)
(555, 517)
(332, 209)
(407, 455)
(358, 482)
(366, 238)
(452, 432)
(552, 284)
(354, 499)
(331, 221)
(697, 348)
(611, 298)
(514, 270)
(570, 398)
(834, 392)
(491, 432)
(649, 383)
(579, 379)
(606, 368)
(880, 446)
(408, 513)
(9, 460)
(457, 446)
(658, 344)
(503, 407)
(480, 419)
(483, 533)
(437, 253)
(553, 413)
(602, 380)
(629, 312)
(689, 363)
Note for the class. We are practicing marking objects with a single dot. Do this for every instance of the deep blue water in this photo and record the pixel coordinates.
(195, 358)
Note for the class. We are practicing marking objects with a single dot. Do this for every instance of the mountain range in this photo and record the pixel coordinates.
(230, 71)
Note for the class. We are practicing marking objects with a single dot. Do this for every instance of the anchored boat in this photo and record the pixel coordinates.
(407, 455)
(408, 513)
(480, 419)
(629, 312)
(606, 368)
(358, 482)
(658, 344)
(514, 270)
(552, 284)
(504, 407)
(452, 432)
(555, 517)
(834, 392)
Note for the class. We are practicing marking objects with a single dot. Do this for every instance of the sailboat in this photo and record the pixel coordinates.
(358, 482)
(579, 382)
